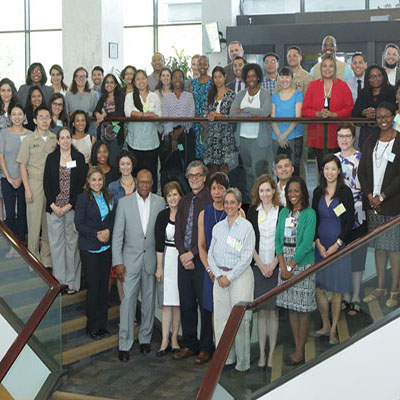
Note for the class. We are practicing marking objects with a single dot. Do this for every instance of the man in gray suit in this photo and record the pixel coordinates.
(134, 256)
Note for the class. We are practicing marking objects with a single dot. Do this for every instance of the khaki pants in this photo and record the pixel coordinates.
(64, 249)
(36, 219)
(241, 289)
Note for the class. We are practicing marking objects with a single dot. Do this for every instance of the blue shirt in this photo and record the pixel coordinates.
(287, 108)
(231, 247)
(104, 210)
(269, 84)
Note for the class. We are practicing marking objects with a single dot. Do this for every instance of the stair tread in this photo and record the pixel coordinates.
(76, 396)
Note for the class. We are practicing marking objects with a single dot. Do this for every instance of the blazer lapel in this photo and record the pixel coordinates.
(151, 213)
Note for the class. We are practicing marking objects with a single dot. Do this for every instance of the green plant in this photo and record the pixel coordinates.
(180, 60)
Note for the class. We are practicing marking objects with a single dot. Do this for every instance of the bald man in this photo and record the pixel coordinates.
(134, 256)
(343, 71)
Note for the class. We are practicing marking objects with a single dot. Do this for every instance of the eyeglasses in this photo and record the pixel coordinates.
(58, 104)
(43, 118)
(194, 176)
(270, 62)
(344, 136)
(386, 116)
(80, 76)
(36, 72)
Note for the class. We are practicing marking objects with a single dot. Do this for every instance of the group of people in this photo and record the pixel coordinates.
(83, 189)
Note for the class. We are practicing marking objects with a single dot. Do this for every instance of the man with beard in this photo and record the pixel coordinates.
(343, 71)
(390, 61)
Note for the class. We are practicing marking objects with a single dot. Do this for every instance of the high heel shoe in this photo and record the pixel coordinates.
(162, 353)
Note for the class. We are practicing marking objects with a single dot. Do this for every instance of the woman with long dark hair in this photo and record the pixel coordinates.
(64, 176)
(334, 205)
(219, 151)
(57, 79)
(80, 137)
(94, 221)
(142, 138)
(80, 96)
(34, 100)
(8, 98)
(376, 90)
(164, 85)
(58, 113)
(110, 104)
(12, 188)
(126, 77)
(36, 76)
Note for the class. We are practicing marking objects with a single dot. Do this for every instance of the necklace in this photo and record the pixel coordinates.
(251, 98)
(379, 159)
(327, 95)
(220, 217)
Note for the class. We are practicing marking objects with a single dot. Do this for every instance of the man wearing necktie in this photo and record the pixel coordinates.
(356, 82)
(237, 84)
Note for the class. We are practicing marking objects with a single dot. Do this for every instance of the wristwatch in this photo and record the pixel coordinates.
(381, 198)
(289, 268)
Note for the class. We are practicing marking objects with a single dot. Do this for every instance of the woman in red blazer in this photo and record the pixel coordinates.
(326, 97)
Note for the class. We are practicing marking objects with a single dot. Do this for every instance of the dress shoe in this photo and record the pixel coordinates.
(145, 347)
(184, 353)
(202, 358)
(123, 355)
(176, 350)
(104, 333)
(161, 353)
(291, 362)
(95, 335)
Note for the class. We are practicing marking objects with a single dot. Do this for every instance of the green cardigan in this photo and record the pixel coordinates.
(304, 253)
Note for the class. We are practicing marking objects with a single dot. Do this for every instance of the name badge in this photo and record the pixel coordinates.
(71, 164)
(59, 123)
(22, 137)
(234, 243)
(339, 210)
(288, 227)
(180, 147)
(391, 156)
(261, 218)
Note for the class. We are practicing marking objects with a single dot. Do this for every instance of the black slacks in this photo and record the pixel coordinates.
(191, 286)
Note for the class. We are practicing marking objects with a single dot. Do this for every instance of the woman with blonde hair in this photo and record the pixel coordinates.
(263, 215)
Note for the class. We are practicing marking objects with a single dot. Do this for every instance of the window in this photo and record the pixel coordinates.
(338, 5)
(270, 6)
(12, 47)
(138, 52)
(133, 17)
(179, 11)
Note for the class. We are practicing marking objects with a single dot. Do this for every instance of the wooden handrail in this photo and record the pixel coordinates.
(244, 119)
(228, 336)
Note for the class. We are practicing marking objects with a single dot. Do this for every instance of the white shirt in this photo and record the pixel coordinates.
(380, 158)
(144, 210)
(267, 228)
(250, 130)
(392, 76)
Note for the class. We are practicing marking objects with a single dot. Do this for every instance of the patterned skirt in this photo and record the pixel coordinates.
(387, 241)
(300, 297)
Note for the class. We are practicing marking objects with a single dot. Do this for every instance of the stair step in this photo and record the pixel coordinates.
(18, 287)
(277, 363)
(89, 349)
(80, 322)
(374, 307)
(67, 300)
(75, 396)
(342, 328)
(4, 394)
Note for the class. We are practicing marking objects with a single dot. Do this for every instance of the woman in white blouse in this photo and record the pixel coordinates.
(142, 138)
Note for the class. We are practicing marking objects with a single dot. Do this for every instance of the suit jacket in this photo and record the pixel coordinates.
(232, 85)
(229, 72)
(51, 179)
(130, 245)
(391, 178)
(88, 222)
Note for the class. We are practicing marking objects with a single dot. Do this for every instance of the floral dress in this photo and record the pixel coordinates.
(200, 92)
(220, 142)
